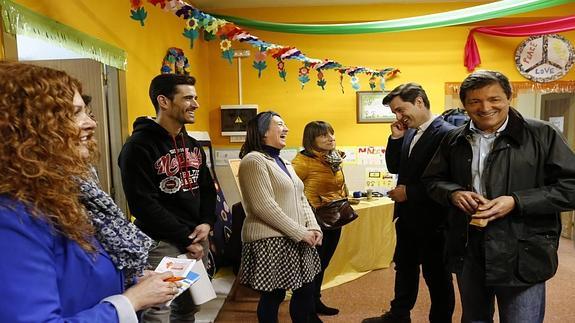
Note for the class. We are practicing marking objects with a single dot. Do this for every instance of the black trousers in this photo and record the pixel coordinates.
(414, 249)
(301, 306)
(326, 251)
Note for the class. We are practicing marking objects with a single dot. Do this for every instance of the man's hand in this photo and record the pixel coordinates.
(496, 208)
(398, 194)
(200, 233)
(196, 250)
(397, 130)
(468, 201)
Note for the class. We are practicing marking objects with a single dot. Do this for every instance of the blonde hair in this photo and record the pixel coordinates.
(39, 154)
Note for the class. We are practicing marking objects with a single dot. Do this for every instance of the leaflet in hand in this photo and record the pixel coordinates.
(180, 267)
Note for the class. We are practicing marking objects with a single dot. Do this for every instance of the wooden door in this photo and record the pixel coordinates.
(557, 108)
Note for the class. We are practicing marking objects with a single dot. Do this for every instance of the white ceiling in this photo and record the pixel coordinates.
(221, 4)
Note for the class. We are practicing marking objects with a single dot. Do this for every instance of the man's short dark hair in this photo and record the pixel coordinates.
(165, 84)
(480, 79)
(407, 92)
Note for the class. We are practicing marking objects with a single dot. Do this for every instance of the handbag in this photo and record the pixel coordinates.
(335, 214)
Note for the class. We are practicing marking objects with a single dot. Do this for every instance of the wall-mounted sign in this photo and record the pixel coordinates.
(235, 118)
(370, 109)
(544, 58)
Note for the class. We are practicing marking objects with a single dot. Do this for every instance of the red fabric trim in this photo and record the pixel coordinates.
(472, 58)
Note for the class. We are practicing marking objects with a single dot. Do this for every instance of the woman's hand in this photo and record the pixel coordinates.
(151, 290)
(313, 238)
(318, 237)
(309, 238)
(147, 273)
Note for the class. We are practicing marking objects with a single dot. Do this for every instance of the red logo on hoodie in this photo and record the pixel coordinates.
(172, 162)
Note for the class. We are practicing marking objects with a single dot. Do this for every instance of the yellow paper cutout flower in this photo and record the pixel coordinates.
(192, 23)
(225, 44)
(214, 25)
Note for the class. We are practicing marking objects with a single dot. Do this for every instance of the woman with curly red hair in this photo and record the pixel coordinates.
(59, 261)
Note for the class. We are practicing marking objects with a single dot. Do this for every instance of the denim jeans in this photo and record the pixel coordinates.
(183, 308)
(523, 304)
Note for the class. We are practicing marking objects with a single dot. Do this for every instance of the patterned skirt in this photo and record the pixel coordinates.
(278, 263)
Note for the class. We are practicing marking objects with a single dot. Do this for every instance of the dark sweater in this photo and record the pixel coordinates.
(168, 185)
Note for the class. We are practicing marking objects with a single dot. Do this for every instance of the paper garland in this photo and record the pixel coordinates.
(260, 61)
(197, 21)
(138, 12)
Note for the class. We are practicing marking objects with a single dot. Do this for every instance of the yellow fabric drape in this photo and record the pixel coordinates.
(366, 244)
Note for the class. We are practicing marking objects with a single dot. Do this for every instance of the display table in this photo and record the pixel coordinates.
(366, 244)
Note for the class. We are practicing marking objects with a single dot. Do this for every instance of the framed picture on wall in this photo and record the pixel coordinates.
(370, 109)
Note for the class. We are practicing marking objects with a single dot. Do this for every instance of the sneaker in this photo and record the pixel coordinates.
(388, 317)
(321, 308)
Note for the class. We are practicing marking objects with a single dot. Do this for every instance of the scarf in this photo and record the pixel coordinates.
(334, 159)
(126, 245)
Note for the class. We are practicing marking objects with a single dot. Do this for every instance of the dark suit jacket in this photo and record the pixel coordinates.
(419, 212)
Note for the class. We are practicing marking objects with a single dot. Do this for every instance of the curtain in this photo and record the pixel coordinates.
(472, 58)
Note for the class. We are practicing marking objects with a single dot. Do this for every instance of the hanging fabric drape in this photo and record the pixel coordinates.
(449, 18)
(472, 58)
(18, 19)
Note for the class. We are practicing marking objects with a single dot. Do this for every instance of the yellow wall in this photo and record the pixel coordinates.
(430, 57)
(145, 46)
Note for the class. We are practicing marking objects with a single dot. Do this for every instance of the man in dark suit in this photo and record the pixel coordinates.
(420, 221)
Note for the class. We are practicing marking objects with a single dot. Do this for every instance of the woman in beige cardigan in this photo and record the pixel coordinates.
(280, 231)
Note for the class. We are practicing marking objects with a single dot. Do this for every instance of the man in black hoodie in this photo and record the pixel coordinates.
(168, 185)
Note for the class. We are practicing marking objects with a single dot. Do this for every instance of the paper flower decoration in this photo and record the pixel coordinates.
(321, 82)
(281, 69)
(172, 5)
(166, 69)
(213, 26)
(191, 31)
(137, 11)
(393, 73)
(225, 44)
(227, 50)
(260, 61)
(208, 36)
(185, 11)
(382, 83)
(135, 4)
(175, 62)
(372, 81)
(354, 83)
(162, 3)
(341, 72)
(303, 76)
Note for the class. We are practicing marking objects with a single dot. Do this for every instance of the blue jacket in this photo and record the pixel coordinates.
(46, 277)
